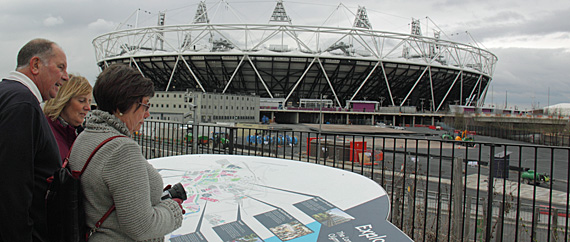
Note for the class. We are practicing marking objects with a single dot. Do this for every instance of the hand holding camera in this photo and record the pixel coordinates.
(176, 191)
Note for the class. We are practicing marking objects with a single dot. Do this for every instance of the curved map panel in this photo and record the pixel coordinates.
(251, 198)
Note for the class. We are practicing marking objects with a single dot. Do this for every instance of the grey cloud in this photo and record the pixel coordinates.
(525, 75)
(557, 21)
(565, 36)
(102, 25)
(518, 70)
(52, 21)
(504, 16)
(508, 24)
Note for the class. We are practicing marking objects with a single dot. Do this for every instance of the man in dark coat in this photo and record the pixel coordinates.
(28, 150)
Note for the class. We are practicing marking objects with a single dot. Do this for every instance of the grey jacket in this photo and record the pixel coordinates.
(119, 174)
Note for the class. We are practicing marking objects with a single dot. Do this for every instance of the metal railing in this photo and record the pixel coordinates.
(439, 190)
(538, 137)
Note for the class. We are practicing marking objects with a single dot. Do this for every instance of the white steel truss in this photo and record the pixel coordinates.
(261, 44)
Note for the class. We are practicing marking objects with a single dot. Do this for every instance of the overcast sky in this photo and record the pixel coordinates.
(531, 38)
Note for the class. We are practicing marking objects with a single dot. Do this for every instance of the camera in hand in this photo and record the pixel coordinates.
(176, 191)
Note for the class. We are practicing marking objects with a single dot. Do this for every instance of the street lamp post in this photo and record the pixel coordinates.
(320, 127)
(321, 114)
(193, 108)
(318, 148)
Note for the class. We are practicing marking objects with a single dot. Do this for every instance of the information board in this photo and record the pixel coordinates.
(252, 198)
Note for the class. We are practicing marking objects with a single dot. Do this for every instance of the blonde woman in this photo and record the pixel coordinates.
(66, 112)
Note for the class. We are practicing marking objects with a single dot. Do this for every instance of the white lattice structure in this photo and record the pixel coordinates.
(284, 60)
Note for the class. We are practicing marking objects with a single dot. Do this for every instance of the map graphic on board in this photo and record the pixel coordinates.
(250, 198)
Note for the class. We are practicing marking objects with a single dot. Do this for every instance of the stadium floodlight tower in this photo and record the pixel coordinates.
(283, 60)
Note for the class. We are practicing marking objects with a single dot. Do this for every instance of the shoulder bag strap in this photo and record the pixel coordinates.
(96, 149)
(98, 224)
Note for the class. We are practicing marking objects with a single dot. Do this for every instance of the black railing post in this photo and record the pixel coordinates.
(489, 215)
(195, 135)
(231, 142)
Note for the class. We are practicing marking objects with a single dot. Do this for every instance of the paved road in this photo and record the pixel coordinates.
(435, 157)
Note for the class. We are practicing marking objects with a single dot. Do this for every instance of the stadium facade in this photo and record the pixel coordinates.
(290, 62)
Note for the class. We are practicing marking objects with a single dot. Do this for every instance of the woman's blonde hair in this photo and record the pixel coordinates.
(75, 86)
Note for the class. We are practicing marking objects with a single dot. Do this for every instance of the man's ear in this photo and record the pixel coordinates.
(35, 63)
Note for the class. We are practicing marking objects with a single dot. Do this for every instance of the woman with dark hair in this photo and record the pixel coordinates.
(118, 173)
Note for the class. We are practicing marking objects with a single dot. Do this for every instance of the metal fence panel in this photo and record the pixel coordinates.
(439, 190)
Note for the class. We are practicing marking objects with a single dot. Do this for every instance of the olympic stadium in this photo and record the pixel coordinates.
(291, 61)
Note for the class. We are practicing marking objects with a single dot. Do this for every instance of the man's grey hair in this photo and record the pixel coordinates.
(41, 48)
